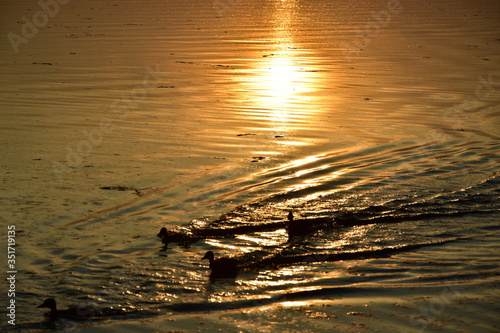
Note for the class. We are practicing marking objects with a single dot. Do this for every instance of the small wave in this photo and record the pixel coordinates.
(278, 260)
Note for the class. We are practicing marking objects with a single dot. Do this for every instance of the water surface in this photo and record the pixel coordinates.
(120, 118)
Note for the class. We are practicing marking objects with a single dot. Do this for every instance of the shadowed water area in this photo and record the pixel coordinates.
(376, 123)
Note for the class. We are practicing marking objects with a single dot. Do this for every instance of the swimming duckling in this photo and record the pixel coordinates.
(165, 238)
(72, 313)
(222, 267)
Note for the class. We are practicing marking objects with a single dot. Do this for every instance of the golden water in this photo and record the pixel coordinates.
(254, 108)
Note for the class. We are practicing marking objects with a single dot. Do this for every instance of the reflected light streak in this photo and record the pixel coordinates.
(315, 182)
(275, 283)
(278, 81)
(281, 85)
(294, 303)
(355, 233)
(266, 239)
(217, 243)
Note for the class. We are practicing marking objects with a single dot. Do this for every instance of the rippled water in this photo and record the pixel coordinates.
(216, 121)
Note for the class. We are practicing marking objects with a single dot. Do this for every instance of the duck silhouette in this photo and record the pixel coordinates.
(222, 267)
(298, 227)
(71, 313)
(165, 238)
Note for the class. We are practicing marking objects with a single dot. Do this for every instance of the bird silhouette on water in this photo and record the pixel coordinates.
(71, 313)
(222, 267)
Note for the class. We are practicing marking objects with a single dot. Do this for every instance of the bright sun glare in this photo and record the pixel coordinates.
(280, 79)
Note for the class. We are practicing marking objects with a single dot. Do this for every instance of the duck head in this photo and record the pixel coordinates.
(49, 303)
(209, 255)
(163, 232)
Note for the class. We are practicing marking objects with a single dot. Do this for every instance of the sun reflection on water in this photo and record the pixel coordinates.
(281, 80)
(294, 303)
